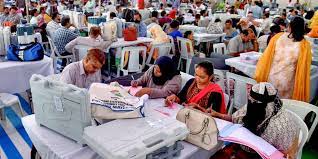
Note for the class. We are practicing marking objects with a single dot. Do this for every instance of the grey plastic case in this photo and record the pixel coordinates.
(61, 107)
(134, 138)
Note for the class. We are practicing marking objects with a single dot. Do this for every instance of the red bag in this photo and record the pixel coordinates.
(141, 4)
(130, 34)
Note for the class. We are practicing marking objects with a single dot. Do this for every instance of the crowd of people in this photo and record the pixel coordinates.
(283, 70)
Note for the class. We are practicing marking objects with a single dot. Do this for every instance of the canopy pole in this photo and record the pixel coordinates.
(27, 10)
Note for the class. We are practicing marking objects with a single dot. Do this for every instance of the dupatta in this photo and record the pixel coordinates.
(212, 87)
(302, 76)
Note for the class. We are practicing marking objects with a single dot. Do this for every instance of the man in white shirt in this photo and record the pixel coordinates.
(34, 20)
(266, 25)
(54, 24)
(85, 72)
(94, 40)
(240, 43)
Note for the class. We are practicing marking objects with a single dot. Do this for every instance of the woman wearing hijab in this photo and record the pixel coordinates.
(160, 80)
(200, 92)
(263, 115)
(159, 37)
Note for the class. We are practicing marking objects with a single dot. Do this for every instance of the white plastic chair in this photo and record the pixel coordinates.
(172, 44)
(220, 78)
(220, 48)
(163, 50)
(81, 51)
(185, 78)
(184, 54)
(55, 55)
(133, 59)
(8, 100)
(239, 98)
(227, 100)
(302, 109)
(303, 135)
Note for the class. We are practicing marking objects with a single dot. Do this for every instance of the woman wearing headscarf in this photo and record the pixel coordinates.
(201, 92)
(160, 80)
(159, 37)
(264, 116)
(286, 62)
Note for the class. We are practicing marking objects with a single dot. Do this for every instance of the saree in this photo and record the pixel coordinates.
(212, 87)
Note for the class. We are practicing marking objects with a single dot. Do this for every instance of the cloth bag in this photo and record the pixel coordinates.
(114, 102)
(130, 34)
(25, 52)
(109, 31)
(202, 127)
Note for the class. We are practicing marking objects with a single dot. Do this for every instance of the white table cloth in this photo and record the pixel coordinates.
(15, 76)
(122, 43)
(188, 19)
(52, 145)
(249, 70)
(184, 28)
(205, 37)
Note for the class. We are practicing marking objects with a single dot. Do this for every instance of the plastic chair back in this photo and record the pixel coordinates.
(172, 44)
(220, 78)
(303, 135)
(182, 43)
(184, 54)
(163, 50)
(185, 78)
(239, 97)
(302, 109)
(220, 48)
(133, 61)
(53, 48)
(81, 51)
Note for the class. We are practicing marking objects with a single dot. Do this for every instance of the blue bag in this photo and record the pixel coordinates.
(25, 52)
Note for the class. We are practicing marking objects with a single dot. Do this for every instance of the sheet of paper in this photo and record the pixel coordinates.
(221, 124)
(133, 90)
(58, 104)
(245, 137)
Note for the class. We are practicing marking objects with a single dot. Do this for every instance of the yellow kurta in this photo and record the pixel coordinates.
(282, 72)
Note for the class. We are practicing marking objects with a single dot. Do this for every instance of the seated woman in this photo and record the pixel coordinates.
(160, 80)
(159, 37)
(264, 116)
(190, 46)
(200, 92)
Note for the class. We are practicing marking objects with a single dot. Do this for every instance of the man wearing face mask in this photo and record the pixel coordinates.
(142, 28)
(85, 72)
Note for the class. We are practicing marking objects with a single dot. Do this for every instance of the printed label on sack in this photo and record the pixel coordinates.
(21, 55)
(58, 104)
